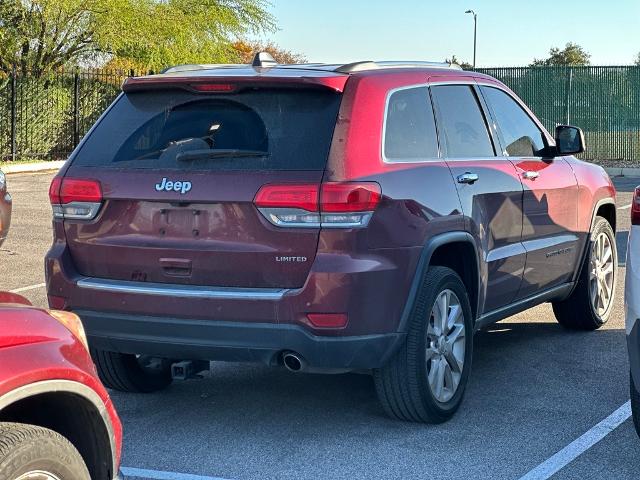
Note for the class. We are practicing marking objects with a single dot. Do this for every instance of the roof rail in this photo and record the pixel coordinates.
(189, 67)
(371, 65)
(265, 60)
(261, 59)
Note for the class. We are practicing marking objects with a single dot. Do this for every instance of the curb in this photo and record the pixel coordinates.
(622, 171)
(33, 167)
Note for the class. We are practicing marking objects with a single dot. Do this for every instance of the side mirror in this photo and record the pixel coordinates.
(569, 140)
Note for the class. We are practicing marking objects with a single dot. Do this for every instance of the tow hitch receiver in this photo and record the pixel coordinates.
(188, 369)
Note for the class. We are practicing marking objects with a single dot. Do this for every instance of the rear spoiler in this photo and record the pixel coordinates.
(214, 84)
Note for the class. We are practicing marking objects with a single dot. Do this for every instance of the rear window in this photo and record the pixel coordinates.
(259, 129)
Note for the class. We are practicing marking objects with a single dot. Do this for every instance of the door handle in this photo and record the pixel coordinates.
(530, 175)
(468, 177)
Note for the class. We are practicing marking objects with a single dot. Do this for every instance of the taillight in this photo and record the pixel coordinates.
(635, 207)
(337, 205)
(74, 198)
(302, 197)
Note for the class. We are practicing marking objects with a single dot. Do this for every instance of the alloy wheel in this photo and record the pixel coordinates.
(38, 475)
(601, 274)
(445, 346)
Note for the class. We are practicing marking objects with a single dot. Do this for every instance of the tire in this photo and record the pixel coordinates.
(635, 406)
(132, 373)
(27, 448)
(578, 312)
(408, 385)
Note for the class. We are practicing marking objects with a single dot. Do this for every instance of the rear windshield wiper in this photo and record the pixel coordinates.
(226, 153)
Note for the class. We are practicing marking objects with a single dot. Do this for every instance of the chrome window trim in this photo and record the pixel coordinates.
(64, 386)
(184, 291)
(473, 82)
(387, 160)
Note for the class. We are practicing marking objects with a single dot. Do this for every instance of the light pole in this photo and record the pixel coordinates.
(475, 34)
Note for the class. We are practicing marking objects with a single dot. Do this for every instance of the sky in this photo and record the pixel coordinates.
(510, 33)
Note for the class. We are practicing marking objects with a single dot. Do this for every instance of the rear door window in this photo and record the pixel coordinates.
(461, 124)
(410, 129)
(521, 136)
(262, 129)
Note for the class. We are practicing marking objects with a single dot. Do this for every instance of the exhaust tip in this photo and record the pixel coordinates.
(293, 362)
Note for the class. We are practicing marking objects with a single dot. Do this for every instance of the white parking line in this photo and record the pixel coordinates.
(576, 448)
(26, 289)
(624, 207)
(158, 475)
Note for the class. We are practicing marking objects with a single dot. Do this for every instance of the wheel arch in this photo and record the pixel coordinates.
(74, 411)
(605, 208)
(456, 250)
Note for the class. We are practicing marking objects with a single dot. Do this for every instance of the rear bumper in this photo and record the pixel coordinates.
(234, 324)
(232, 341)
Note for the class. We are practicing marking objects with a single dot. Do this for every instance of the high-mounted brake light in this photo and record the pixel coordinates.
(635, 207)
(336, 205)
(213, 87)
(74, 198)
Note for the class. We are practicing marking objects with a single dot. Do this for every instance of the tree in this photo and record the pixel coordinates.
(572, 55)
(637, 60)
(246, 51)
(463, 64)
(39, 36)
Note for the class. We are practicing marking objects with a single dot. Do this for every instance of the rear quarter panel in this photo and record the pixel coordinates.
(419, 202)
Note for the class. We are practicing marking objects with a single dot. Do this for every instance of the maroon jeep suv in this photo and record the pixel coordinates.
(326, 218)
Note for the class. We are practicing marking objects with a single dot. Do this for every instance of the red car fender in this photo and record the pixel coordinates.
(35, 349)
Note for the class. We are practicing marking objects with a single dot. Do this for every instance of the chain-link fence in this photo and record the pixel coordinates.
(46, 117)
(603, 101)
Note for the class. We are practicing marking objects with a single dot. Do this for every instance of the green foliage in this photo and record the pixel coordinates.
(603, 101)
(43, 118)
(637, 59)
(462, 63)
(40, 36)
(45, 110)
(571, 55)
(245, 51)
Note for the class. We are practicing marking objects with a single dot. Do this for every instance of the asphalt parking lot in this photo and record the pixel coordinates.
(535, 388)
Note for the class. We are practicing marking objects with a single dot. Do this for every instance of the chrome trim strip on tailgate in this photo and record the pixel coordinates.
(188, 291)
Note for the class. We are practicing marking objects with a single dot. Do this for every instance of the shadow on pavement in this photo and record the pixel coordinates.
(534, 388)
